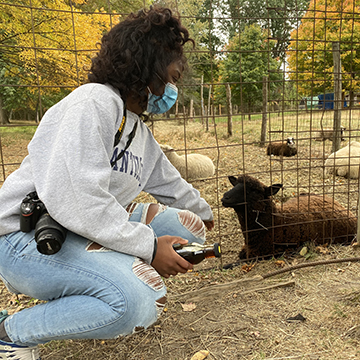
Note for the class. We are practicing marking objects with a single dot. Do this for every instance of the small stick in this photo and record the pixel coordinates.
(313, 263)
(217, 288)
(283, 284)
(229, 287)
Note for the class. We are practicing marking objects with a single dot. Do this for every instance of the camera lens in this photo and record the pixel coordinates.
(48, 242)
(49, 235)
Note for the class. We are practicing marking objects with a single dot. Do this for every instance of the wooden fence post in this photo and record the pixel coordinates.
(264, 112)
(177, 108)
(229, 109)
(209, 109)
(337, 97)
(191, 114)
(202, 99)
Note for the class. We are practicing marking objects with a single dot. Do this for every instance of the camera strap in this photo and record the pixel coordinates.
(119, 134)
(121, 128)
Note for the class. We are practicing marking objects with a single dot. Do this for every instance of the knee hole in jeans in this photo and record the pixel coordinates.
(192, 222)
(151, 213)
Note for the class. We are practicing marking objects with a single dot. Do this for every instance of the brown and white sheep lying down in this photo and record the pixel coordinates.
(270, 228)
(282, 148)
(198, 166)
(327, 134)
(344, 162)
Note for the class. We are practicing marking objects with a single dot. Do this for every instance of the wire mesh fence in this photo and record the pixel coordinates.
(259, 73)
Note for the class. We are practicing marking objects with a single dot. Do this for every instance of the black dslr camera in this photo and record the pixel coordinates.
(49, 234)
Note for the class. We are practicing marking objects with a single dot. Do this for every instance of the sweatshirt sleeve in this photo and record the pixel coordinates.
(168, 187)
(70, 163)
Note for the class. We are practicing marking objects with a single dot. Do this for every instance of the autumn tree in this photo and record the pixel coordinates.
(122, 7)
(310, 53)
(45, 50)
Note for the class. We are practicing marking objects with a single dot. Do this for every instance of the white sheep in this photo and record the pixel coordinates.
(344, 162)
(198, 166)
(327, 134)
(282, 148)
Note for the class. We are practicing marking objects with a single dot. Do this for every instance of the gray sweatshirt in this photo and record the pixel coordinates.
(69, 166)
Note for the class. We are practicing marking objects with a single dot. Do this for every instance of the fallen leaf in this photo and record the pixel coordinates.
(280, 263)
(303, 251)
(200, 355)
(322, 250)
(188, 307)
(247, 268)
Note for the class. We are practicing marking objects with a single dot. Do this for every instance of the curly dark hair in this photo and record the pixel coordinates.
(136, 51)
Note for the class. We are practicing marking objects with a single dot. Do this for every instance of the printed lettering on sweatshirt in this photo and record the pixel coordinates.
(128, 164)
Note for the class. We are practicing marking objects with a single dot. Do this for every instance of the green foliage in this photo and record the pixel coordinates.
(278, 17)
(247, 60)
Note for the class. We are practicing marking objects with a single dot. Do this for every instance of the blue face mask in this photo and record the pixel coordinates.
(162, 104)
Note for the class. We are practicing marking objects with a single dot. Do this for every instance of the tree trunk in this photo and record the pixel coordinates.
(3, 117)
(338, 101)
(351, 99)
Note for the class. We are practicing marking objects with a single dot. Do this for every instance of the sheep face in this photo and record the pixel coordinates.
(166, 148)
(290, 142)
(248, 192)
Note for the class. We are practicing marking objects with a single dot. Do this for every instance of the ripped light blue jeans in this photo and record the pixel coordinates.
(91, 292)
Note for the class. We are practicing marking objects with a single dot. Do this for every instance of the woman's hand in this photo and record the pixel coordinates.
(209, 224)
(167, 262)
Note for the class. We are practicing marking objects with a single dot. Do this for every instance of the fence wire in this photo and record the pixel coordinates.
(260, 72)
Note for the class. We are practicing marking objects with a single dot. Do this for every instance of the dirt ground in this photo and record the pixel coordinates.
(307, 313)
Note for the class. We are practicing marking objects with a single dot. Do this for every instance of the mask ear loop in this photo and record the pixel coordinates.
(160, 78)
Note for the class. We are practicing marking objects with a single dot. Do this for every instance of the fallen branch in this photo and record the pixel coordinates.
(221, 289)
(308, 264)
(214, 289)
(283, 284)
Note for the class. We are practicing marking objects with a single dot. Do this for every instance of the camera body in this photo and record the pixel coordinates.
(49, 234)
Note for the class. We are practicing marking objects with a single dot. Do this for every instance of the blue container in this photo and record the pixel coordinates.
(326, 101)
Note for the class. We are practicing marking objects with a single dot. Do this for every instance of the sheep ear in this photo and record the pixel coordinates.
(232, 180)
(273, 189)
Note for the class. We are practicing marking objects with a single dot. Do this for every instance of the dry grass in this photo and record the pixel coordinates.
(243, 321)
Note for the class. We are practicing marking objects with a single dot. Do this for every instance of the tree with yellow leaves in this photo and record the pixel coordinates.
(310, 52)
(45, 49)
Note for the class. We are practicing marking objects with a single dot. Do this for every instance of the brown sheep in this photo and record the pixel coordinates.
(282, 148)
(270, 227)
